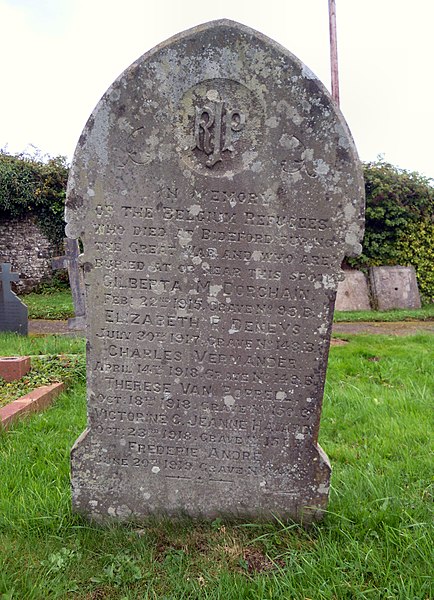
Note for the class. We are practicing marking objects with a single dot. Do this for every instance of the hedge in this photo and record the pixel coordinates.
(399, 222)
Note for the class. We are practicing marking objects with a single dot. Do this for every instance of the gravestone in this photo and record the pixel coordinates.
(13, 312)
(70, 261)
(394, 287)
(353, 292)
(216, 190)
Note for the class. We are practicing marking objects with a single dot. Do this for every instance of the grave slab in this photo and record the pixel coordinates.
(35, 400)
(394, 287)
(353, 292)
(13, 312)
(216, 190)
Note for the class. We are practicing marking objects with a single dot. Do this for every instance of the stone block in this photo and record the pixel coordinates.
(394, 287)
(28, 250)
(353, 292)
(35, 400)
(14, 367)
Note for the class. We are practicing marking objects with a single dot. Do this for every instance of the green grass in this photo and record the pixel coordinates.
(375, 542)
(20, 345)
(426, 313)
(54, 305)
(58, 305)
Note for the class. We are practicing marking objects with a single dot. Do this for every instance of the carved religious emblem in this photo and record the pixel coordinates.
(214, 126)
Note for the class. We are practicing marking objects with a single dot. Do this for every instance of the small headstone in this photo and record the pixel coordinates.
(13, 312)
(394, 287)
(353, 292)
(216, 189)
(70, 261)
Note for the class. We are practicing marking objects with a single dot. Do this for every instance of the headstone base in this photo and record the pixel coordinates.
(110, 492)
(394, 287)
(77, 323)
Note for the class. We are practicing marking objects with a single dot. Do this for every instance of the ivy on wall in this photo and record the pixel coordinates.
(399, 222)
(415, 246)
(32, 187)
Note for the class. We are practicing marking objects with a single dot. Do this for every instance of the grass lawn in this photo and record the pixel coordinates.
(58, 305)
(426, 313)
(54, 305)
(375, 542)
(12, 344)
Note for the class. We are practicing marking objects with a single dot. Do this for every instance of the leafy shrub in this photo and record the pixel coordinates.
(399, 222)
(415, 246)
(31, 187)
(58, 282)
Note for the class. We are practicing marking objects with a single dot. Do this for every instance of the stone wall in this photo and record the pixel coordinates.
(28, 250)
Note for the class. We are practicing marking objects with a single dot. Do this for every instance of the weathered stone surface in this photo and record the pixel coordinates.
(13, 312)
(216, 190)
(394, 287)
(353, 292)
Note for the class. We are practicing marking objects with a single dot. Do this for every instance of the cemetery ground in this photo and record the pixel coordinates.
(374, 542)
(53, 305)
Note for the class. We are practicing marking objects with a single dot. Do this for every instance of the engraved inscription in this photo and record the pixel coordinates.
(261, 294)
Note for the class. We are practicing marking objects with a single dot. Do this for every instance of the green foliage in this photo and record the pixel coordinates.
(59, 561)
(426, 313)
(51, 305)
(58, 283)
(31, 187)
(120, 569)
(399, 215)
(415, 246)
(13, 344)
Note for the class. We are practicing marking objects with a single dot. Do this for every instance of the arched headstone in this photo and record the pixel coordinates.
(216, 189)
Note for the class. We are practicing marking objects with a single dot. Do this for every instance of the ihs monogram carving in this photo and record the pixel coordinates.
(213, 128)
